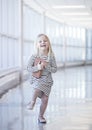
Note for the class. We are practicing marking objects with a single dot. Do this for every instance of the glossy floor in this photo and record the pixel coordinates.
(69, 107)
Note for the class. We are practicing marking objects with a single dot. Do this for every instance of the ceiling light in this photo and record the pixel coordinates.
(81, 19)
(86, 13)
(68, 6)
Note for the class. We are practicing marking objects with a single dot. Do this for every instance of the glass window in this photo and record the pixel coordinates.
(0, 15)
(74, 32)
(78, 32)
(70, 31)
(4, 16)
(0, 52)
(66, 31)
(89, 44)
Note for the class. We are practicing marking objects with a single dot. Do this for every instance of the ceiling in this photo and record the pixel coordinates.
(72, 12)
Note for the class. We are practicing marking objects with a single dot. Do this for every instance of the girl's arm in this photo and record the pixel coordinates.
(31, 67)
(51, 66)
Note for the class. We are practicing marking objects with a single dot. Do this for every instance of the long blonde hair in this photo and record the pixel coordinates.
(50, 52)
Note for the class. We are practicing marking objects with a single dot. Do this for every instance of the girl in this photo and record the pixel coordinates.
(47, 65)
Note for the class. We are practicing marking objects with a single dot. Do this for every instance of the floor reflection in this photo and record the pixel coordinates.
(41, 126)
(70, 104)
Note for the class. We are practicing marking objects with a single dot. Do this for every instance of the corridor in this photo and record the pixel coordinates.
(69, 107)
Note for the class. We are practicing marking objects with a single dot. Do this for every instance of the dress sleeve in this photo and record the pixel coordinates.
(30, 66)
(52, 66)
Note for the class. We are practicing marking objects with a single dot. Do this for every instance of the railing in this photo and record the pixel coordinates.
(10, 78)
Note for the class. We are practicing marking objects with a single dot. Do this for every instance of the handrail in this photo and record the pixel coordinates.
(9, 71)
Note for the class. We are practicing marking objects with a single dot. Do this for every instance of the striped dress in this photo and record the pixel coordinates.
(45, 82)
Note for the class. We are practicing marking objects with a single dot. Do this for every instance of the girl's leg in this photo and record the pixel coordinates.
(44, 102)
(34, 97)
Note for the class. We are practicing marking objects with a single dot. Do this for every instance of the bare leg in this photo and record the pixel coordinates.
(44, 102)
(33, 100)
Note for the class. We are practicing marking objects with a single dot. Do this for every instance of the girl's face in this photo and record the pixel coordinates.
(43, 43)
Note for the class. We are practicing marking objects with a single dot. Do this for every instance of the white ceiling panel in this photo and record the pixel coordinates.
(78, 12)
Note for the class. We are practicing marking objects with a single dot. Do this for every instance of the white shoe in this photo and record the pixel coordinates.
(31, 105)
(41, 120)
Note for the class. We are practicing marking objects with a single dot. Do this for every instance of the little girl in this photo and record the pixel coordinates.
(42, 85)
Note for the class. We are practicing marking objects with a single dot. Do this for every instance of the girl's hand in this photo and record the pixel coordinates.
(40, 65)
(44, 64)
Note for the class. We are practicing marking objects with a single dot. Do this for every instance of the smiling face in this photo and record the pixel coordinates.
(43, 43)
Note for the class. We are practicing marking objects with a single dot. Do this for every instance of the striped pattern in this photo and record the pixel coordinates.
(45, 82)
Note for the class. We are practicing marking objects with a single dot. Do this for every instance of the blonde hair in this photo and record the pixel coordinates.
(50, 52)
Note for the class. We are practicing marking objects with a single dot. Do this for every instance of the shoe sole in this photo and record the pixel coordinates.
(44, 122)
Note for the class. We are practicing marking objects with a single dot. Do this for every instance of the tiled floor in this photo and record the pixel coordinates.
(69, 108)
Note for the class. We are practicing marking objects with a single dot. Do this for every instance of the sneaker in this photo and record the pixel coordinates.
(41, 120)
(31, 105)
